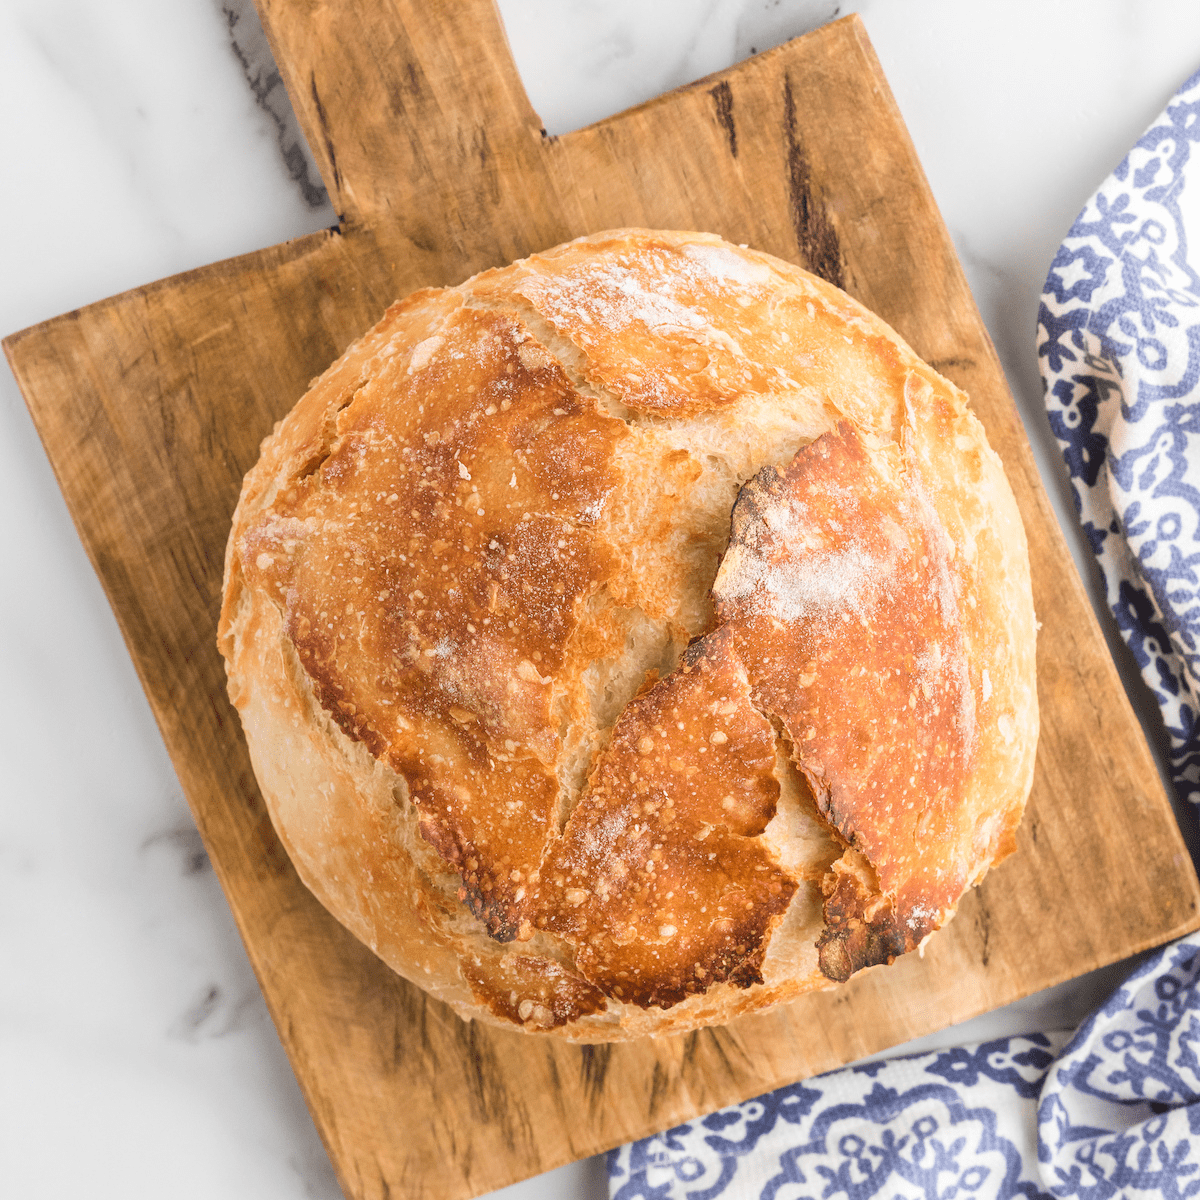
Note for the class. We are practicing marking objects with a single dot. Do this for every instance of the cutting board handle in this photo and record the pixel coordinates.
(402, 101)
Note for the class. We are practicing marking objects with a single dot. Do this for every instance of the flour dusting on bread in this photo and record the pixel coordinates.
(614, 642)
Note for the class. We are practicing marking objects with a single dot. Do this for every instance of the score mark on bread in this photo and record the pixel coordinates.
(633, 637)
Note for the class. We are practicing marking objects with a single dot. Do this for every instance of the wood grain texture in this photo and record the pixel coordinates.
(152, 405)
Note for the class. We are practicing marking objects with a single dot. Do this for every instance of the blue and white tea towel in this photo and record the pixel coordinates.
(1115, 1112)
(923, 1126)
(1119, 346)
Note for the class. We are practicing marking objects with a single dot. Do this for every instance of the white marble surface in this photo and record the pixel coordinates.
(145, 137)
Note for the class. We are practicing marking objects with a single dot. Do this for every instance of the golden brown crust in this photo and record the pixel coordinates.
(846, 608)
(460, 585)
(661, 880)
(430, 569)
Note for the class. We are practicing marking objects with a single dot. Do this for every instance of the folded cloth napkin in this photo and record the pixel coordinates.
(1115, 1110)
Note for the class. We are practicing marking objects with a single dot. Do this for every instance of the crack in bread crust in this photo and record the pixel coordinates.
(850, 616)
(661, 879)
(492, 528)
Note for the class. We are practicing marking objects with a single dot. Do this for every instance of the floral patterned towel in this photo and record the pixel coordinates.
(1115, 1111)
(1119, 348)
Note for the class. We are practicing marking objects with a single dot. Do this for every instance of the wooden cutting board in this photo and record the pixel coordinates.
(152, 405)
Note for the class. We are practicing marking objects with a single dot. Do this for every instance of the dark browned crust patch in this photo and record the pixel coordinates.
(861, 927)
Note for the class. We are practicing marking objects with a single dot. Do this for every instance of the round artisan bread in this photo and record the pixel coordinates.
(632, 638)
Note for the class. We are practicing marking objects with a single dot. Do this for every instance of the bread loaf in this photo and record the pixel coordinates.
(633, 637)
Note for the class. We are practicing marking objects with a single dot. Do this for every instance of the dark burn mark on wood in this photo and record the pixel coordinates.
(659, 1087)
(983, 920)
(713, 1036)
(399, 1024)
(323, 121)
(410, 1024)
(943, 365)
(423, 238)
(815, 236)
(486, 1092)
(552, 1067)
(408, 94)
(593, 1068)
(719, 1050)
(722, 96)
(690, 1044)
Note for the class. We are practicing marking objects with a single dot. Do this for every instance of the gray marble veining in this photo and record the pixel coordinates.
(248, 42)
